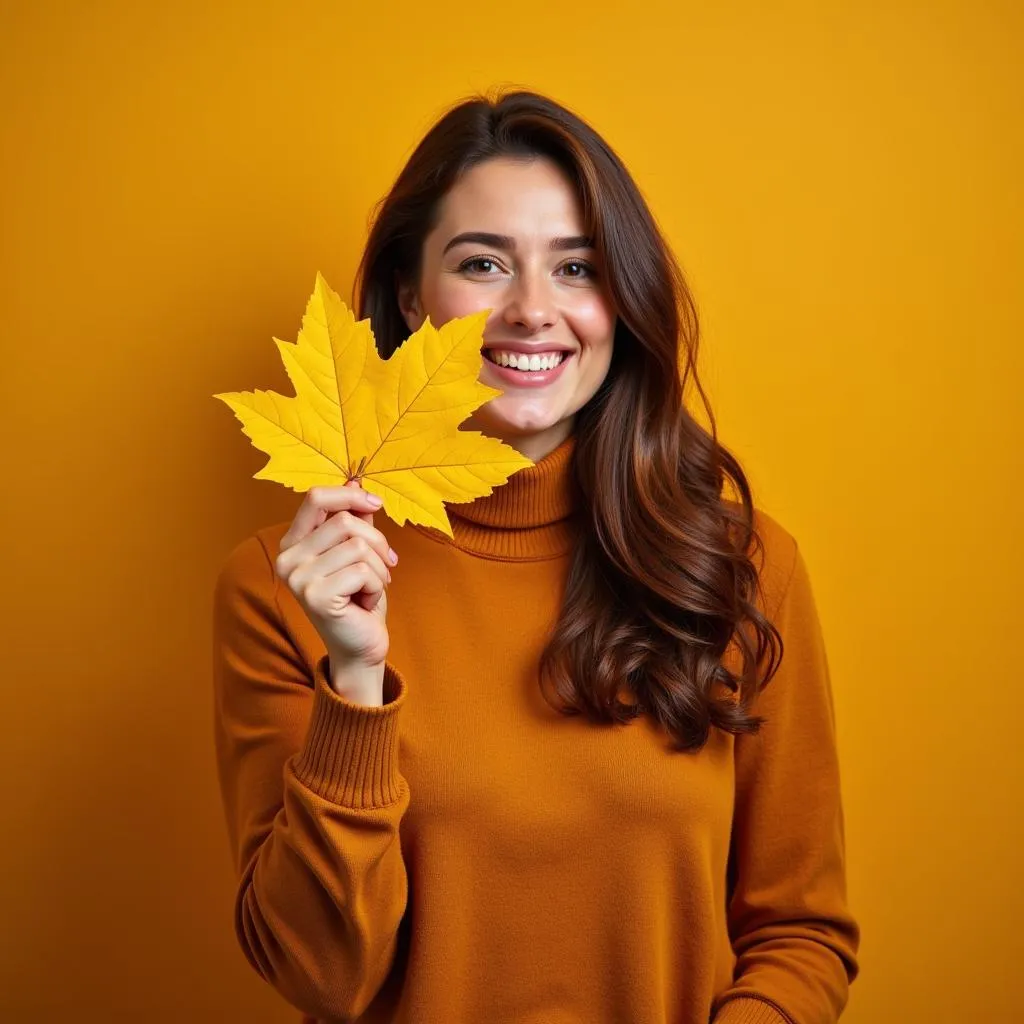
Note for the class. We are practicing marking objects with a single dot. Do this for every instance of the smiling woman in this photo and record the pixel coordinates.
(576, 762)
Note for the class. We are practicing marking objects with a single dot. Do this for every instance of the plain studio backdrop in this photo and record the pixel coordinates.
(842, 185)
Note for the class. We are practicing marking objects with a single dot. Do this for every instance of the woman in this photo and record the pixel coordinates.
(537, 776)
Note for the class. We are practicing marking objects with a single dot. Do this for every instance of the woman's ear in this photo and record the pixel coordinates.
(409, 305)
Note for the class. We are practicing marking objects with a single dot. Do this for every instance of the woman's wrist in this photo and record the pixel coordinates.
(356, 681)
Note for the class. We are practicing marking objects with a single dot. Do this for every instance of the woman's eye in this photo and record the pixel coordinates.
(578, 269)
(479, 265)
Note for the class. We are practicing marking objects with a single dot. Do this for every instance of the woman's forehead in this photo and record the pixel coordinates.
(530, 202)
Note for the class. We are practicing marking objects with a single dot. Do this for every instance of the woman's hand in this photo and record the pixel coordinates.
(336, 564)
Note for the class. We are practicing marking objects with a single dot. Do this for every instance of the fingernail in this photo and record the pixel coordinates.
(373, 500)
(392, 556)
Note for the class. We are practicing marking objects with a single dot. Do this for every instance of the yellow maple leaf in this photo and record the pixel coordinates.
(393, 424)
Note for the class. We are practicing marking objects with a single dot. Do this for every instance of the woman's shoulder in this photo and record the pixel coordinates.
(246, 573)
(254, 554)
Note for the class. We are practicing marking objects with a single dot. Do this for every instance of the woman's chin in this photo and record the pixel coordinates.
(512, 423)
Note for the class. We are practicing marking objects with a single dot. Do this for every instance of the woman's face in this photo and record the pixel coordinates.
(510, 238)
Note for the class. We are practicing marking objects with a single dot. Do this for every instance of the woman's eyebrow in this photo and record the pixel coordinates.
(508, 243)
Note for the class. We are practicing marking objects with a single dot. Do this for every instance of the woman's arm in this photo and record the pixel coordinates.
(313, 799)
(794, 937)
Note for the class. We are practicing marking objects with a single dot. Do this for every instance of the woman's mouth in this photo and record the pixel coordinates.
(522, 370)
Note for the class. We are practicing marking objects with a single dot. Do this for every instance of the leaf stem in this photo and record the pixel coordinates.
(358, 474)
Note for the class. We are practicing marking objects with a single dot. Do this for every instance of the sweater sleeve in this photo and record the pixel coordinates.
(313, 798)
(794, 937)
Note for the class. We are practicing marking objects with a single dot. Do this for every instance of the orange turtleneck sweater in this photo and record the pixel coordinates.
(466, 854)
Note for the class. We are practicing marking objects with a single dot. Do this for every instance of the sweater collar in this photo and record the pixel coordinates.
(526, 519)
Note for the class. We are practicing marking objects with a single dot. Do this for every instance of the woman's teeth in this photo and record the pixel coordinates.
(521, 361)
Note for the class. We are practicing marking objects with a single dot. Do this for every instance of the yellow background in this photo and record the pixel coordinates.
(842, 183)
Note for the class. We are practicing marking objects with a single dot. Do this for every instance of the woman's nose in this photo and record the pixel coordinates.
(530, 303)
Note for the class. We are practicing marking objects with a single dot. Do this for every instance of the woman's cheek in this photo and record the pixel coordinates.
(592, 322)
(460, 298)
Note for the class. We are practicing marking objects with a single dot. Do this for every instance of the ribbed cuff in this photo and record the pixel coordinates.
(350, 756)
(744, 1010)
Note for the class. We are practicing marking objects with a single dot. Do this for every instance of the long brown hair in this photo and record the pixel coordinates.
(662, 579)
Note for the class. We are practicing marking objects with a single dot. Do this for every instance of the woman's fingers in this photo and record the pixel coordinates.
(353, 551)
(320, 502)
(329, 596)
(338, 528)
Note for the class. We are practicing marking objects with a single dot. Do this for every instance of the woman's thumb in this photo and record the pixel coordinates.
(358, 484)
